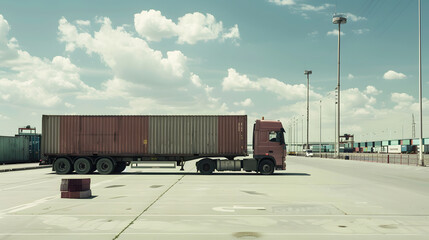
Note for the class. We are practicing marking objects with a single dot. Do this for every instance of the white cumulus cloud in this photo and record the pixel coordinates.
(30, 80)
(392, 75)
(402, 100)
(237, 82)
(190, 28)
(245, 103)
(371, 90)
(354, 18)
(284, 90)
(83, 22)
(153, 26)
(334, 33)
(308, 7)
(350, 76)
(282, 2)
(360, 31)
(233, 33)
(195, 79)
(129, 57)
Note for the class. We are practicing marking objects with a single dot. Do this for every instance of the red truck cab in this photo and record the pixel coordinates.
(269, 141)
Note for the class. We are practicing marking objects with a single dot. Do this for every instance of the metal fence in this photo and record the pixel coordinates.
(406, 159)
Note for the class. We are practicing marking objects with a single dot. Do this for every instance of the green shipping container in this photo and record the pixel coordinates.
(13, 149)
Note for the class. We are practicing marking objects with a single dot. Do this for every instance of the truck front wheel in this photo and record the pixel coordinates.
(266, 167)
(206, 166)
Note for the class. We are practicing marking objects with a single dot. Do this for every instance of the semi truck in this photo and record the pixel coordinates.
(108, 144)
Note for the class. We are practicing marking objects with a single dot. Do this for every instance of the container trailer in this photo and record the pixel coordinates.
(110, 143)
(22, 148)
(14, 150)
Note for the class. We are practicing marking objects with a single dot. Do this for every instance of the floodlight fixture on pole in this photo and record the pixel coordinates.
(308, 72)
(338, 19)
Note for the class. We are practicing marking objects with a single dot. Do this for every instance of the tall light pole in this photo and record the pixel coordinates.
(339, 19)
(421, 161)
(308, 72)
(302, 130)
(296, 135)
(320, 128)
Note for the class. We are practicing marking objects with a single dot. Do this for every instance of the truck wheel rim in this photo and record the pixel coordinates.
(266, 168)
(62, 166)
(82, 166)
(206, 167)
(104, 166)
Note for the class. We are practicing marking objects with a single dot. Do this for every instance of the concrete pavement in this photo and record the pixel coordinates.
(313, 199)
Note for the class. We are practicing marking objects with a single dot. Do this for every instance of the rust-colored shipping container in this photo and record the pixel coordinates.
(145, 136)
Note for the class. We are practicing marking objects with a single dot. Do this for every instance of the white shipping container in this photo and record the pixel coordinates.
(425, 149)
(394, 149)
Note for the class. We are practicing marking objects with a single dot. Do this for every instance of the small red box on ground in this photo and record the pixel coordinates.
(75, 188)
(81, 194)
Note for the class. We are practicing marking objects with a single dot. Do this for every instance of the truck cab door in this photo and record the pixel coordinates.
(272, 143)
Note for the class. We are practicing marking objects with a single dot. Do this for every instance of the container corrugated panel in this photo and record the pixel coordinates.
(377, 144)
(117, 135)
(385, 143)
(51, 134)
(232, 135)
(406, 142)
(14, 149)
(183, 135)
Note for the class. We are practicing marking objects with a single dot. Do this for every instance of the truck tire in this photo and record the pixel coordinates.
(105, 166)
(83, 166)
(266, 167)
(120, 166)
(63, 166)
(206, 166)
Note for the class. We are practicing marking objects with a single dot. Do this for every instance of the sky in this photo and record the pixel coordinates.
(224, 57)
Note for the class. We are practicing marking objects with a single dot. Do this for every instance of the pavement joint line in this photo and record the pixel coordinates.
(217, 233)
(223, 215)
(284, 234)
(150, 205)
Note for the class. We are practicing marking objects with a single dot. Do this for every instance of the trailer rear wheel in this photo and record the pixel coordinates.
(63, 166)
(266, 167)
(105, 166)
(83, 166)
(206, 166)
